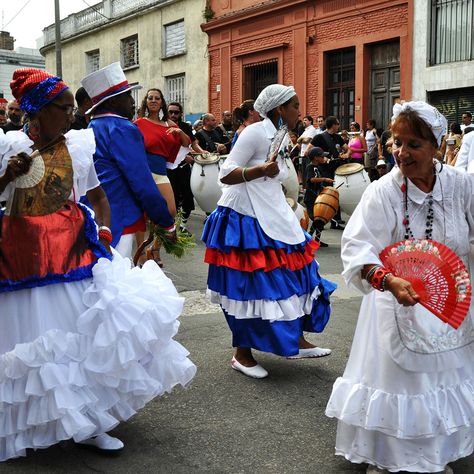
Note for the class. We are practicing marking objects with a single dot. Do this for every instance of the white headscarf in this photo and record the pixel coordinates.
(429, 114)
(271, 97)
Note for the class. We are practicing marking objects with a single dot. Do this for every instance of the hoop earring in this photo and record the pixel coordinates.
(280, 122)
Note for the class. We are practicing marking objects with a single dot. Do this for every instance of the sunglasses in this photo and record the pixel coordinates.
(174, 112)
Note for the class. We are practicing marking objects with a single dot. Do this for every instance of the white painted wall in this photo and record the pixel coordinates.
(441, 77)
(153, 67)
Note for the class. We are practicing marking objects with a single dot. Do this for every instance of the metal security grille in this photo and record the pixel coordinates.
(175, 89)
(453, 103)
(452, 36)
(129, 51)
(175, 39)
(340, 92)
(134, 93)
(257, 76)
(92, 61)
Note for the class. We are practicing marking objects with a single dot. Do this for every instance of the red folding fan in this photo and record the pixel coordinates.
(436, 273)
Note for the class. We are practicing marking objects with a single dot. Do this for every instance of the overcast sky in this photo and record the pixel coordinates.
(25, 19)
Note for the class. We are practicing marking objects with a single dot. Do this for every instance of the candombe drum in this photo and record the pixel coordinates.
(351, 180)
(291, 183)
(205, 180)
(326, 204)
(300, 212)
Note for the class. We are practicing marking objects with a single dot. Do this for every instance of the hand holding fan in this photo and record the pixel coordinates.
(436, 273)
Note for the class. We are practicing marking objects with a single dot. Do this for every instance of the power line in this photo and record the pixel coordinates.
(19, 11)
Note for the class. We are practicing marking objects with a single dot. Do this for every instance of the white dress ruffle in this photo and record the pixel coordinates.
(406, 399)
(99, 350)
(271, 310)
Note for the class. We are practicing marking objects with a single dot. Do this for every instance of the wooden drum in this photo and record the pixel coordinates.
(326, 205)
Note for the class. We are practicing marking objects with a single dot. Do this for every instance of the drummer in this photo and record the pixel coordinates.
(331, 141)
(314, 184)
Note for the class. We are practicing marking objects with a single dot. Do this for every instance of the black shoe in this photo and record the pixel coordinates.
(323, 244)
(340, 221)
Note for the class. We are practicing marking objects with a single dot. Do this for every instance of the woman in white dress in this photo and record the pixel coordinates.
(85, 340)
(262, 269)
(406, 399)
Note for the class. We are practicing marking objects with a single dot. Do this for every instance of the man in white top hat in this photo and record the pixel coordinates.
(120, 158)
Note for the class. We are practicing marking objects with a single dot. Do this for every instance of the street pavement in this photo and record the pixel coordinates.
(225, 422)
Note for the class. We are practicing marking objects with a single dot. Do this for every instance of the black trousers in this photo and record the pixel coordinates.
(180, 179)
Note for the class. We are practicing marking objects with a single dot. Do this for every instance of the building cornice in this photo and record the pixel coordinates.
(229, 19)
(106, 24)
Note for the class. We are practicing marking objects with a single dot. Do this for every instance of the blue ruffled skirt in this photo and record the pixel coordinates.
(270, 291)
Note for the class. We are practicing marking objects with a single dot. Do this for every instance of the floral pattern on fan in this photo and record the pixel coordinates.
(412, 245)
(436, 273)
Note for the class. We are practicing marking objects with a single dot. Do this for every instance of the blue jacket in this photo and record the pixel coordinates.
(121, 165)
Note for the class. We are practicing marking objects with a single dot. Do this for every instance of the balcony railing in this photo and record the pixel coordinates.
(95, 16)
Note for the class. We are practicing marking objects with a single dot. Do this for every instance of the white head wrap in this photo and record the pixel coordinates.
(271, 97)
(429, 114)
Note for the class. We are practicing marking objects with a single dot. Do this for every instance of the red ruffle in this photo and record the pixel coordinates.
(268, 259)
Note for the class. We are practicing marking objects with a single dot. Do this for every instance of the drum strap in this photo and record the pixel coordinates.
(331, 146)
(210, 145)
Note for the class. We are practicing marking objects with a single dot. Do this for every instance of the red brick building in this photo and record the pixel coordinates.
(349, 58)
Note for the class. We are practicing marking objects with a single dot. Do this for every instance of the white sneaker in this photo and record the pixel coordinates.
(311, 352)
(256, 372)
(105, 442)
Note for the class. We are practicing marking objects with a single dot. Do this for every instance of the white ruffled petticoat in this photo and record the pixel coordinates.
(78, 358)
(398, 419)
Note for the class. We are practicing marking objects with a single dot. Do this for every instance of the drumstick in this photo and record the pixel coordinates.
(340, 185)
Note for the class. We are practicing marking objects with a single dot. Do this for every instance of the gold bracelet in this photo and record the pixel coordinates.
(243, 175)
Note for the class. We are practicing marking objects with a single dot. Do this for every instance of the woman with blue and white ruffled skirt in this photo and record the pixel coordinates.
(262, 269)
(85, 340)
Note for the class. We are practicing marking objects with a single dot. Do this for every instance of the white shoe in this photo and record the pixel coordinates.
(375, 470)
(311, 352)
(104, 442)
(256, 372)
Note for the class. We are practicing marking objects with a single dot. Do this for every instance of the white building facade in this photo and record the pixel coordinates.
(443, 55)
(158, 42)
(12, 60)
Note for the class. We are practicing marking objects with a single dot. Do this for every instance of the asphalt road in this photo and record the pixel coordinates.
(225, 422)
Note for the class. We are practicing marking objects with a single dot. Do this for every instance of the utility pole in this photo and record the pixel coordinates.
(57, 24)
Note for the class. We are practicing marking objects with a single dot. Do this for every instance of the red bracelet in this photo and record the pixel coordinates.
(379, 277)
(105, 235)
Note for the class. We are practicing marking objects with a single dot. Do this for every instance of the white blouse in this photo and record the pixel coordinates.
(262, 198)
(416, 340)
(81, 147)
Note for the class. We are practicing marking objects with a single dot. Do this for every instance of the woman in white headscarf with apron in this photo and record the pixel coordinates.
(406, 399)
(262, 269)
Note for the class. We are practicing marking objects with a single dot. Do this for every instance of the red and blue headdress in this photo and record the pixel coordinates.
(35, 88)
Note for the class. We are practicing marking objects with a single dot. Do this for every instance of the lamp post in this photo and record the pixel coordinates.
(57, 24)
